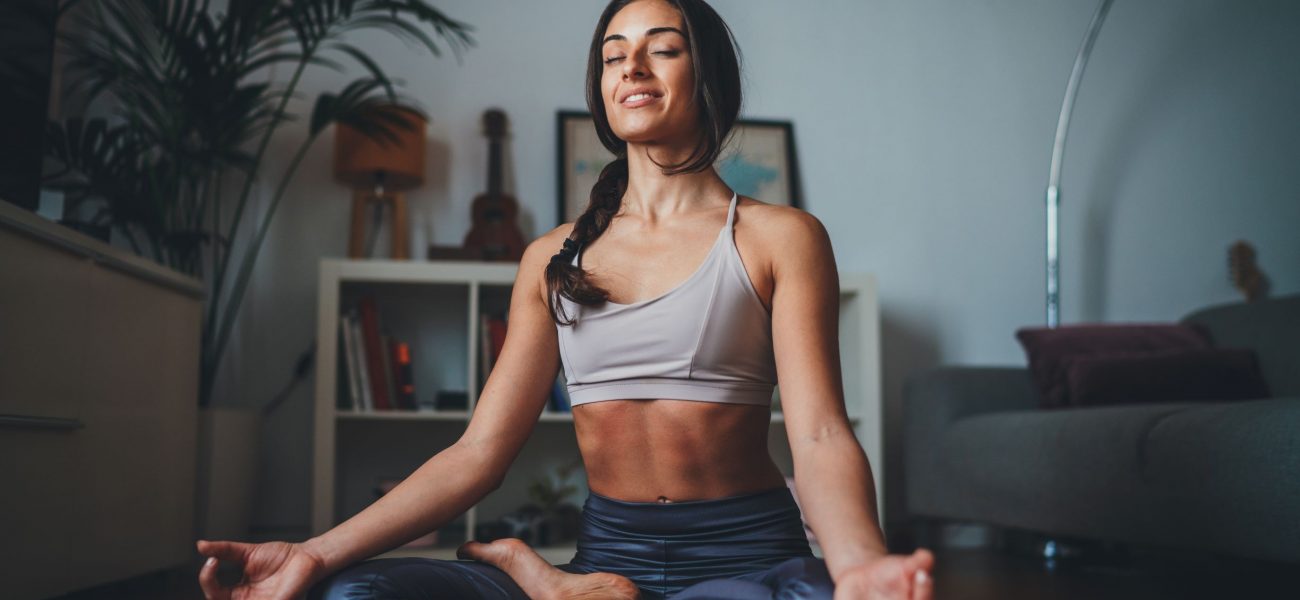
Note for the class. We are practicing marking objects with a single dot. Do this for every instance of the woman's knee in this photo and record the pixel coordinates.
(367, 579)
(804, 578)
(412, 578)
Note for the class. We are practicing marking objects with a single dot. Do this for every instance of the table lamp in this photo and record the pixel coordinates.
(379, 169)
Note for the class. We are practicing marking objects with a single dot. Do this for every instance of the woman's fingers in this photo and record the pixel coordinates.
(228, 551)
(922, 559)
(922, 580)
(233, 552)
(208, 581)
(922, 585)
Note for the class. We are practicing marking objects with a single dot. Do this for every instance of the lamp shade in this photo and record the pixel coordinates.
(362, 161)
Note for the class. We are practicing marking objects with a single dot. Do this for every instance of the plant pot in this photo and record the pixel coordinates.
(227, 471)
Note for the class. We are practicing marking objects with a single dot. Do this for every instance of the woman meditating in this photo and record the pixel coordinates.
(674, 306)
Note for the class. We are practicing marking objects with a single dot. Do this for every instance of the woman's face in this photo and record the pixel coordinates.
(647, 80)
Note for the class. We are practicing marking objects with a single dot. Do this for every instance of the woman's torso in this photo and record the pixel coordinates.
(651, 450)
(647, 450)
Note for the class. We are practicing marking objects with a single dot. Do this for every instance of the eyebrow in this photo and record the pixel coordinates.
(648, 33)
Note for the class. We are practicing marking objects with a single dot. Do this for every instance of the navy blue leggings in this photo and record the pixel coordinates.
(738, 547)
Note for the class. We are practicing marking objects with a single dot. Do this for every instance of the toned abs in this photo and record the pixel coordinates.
(675, 450)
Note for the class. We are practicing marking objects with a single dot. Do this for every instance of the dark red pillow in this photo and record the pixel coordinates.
(1049, 350)
(1173, 376)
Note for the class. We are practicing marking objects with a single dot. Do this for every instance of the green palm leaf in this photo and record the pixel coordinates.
(188, 107)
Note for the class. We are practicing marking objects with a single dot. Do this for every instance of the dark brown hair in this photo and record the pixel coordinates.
(715, 58)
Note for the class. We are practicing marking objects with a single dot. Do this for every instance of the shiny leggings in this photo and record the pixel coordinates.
(738, 547)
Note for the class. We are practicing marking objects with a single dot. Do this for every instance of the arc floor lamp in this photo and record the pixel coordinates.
(1054, 177)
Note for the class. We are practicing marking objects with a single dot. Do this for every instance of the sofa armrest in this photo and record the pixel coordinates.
(933, 400)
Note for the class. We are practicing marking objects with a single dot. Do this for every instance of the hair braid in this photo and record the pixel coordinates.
(569, 279)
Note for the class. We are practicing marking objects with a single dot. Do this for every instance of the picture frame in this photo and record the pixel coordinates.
(759, 161)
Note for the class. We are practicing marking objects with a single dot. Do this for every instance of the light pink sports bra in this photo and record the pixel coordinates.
(708, 339)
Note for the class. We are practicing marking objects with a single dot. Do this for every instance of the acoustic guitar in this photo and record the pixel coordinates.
(495, 233)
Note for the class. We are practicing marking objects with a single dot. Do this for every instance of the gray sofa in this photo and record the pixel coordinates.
(1222, 477)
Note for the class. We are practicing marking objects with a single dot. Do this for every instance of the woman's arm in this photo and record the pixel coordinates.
(832, 476)
(456, 478)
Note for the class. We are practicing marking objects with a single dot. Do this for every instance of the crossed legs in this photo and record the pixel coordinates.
(503, 570)
(543, 581)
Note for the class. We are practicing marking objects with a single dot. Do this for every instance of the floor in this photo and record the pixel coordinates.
(959, 575)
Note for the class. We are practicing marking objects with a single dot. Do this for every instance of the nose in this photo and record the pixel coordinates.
(633, 66)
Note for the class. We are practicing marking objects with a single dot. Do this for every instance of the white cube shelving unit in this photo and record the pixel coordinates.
(435, 306)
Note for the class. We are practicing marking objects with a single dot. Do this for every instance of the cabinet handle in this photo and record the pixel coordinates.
(28, 422)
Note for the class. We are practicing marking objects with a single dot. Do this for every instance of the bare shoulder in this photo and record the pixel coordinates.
(778, 219)
(800, 236)
(550, 242)
(532, 266)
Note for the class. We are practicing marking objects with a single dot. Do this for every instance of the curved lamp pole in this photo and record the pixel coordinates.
(1054, 178)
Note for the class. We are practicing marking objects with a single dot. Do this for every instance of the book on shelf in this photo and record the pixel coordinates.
(379, 375)
(362, 372)
(349, 357)
(374, 352)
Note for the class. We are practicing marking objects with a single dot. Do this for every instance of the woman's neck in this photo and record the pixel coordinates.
(653, 196)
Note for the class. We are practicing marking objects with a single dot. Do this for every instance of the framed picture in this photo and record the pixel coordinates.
(759, 161)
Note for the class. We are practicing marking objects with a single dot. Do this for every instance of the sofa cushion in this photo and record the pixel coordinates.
(1209, 475)
(1070, 471)
(1270, 327)
(1175, 376)
(1050, 350)
(1232, 470)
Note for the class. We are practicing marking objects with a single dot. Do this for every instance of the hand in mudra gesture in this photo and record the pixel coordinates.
(890, 577)
(272, 570)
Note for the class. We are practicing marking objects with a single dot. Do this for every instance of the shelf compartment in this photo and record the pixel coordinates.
(431, 318)
(370, 451)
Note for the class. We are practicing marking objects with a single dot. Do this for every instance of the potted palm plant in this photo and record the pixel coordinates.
(177, 107)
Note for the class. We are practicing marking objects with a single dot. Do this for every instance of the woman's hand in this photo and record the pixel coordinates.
(272, 571)
(890, 577)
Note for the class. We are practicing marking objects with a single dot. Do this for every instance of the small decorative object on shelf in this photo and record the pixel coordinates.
(495, 233)
(379, 170)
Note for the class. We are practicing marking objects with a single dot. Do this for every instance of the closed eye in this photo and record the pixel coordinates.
(612, 59)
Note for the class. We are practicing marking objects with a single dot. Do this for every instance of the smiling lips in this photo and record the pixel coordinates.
(640, 98)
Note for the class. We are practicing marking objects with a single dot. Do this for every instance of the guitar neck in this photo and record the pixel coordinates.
(494, 169)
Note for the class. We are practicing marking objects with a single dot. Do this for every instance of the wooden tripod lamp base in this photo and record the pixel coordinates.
(362, 202)
(379, 168)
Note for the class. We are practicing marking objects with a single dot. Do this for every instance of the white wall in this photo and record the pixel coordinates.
(924, 130)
